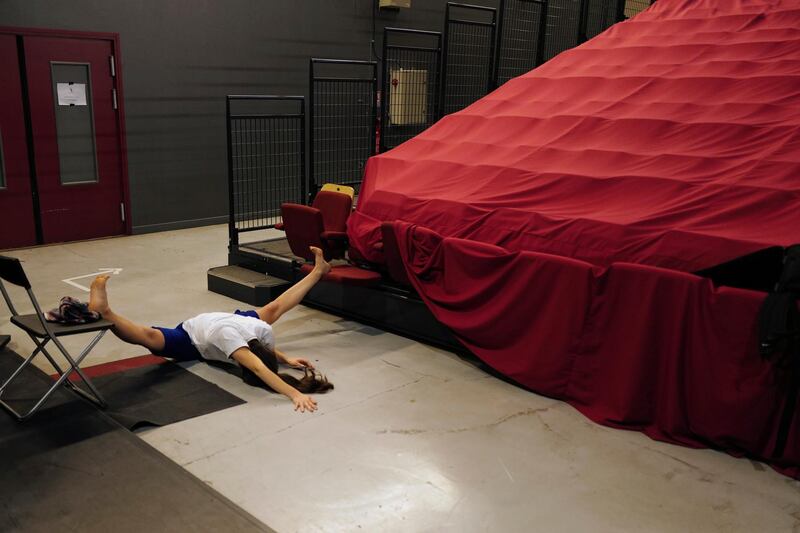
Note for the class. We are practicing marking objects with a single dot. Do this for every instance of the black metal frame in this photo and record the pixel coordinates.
(563, 26)
(346, 142)
(599, 15)
(431, 57)
(450, 22)
(265, 133)
(510, 9)
(559, 36)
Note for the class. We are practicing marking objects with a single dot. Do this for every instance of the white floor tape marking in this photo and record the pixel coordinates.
(71, 281)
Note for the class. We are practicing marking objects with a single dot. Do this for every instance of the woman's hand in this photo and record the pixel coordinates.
(304, 403)
(298, 362)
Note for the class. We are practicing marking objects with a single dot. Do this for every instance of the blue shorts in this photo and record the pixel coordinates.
(178, 345)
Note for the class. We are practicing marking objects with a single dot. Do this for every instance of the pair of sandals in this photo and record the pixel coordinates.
(71, 312)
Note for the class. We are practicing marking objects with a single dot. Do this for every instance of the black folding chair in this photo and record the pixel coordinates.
(42, 332)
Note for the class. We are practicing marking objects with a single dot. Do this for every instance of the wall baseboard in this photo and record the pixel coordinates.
(179, 224)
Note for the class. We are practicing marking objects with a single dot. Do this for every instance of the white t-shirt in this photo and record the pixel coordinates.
(217, 335)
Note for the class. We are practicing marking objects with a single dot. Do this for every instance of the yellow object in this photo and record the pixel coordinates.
(344, 189)
(394, 3)
(408, 97)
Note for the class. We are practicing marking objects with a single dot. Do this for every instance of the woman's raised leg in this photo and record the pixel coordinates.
(126, 330)
(271, 312)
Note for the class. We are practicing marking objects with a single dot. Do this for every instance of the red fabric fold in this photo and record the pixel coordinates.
(630, 346)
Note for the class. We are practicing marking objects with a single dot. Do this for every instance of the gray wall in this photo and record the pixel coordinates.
(181, 57)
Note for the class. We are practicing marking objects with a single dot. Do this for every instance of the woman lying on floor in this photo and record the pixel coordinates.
(244, 337)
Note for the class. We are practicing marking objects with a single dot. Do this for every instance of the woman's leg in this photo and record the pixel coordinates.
(128, 331)
(271, 312)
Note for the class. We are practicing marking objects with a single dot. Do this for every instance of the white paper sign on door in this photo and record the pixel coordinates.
(71, 93)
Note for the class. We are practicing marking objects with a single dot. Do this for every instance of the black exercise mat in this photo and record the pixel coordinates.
(72, 468)
(157, 395)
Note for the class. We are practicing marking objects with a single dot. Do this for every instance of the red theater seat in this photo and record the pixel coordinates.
(324, 225)
(304, 227)
(348, 275)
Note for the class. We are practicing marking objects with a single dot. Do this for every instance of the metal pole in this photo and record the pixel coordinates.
(443, 81)
(311, 176)
(493, 55)
(438, 80)
(499, 43)
(620, 10)
(233, 236)
(303, 171)
(583, 21)
(374, 108)
(542, 37)
(385, 93)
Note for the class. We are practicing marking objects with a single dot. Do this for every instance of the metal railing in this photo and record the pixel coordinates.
(343, 115)
(468, 55)
(521, 29)
(266, 159)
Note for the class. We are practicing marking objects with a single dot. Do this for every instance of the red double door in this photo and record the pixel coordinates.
(61, 140)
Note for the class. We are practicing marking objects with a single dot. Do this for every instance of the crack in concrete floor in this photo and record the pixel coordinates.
(524, 412)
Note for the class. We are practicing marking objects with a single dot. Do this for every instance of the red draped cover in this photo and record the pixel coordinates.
(555, 223)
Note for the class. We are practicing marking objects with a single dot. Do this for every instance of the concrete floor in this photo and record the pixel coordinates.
(412, 438)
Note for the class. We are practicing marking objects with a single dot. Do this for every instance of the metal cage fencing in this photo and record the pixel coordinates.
(521, 28)
(468, 53)
(410, 94)
(563, 26)
(343, 117)
(266, 159)
(601, 15)
(572, 22)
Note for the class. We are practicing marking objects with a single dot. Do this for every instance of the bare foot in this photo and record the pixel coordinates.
(319, 261)
(98, 298)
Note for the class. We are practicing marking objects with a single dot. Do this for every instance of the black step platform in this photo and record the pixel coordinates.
(245, 285)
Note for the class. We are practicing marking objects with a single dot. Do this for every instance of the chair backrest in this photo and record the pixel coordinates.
(12, 272)
(344, 189)
(335, 208)
(303, 226)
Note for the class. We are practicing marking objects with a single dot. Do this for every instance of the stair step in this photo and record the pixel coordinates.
(245, 285)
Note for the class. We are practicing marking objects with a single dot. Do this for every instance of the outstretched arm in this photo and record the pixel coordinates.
(292, 361)
(249, 360)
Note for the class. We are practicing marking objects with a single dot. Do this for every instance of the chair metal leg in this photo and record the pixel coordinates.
(75, 364)
(94, 396)
(46, 353)
(41, 401)
(17, 371)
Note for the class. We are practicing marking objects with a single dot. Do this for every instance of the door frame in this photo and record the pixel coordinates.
(113, 38)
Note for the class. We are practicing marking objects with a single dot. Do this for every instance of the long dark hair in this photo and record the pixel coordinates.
(311, 382)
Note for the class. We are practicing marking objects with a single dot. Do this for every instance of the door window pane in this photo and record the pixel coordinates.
(72, 96)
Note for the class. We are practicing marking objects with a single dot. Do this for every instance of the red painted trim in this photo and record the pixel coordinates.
(113, 367)
(118, 84)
